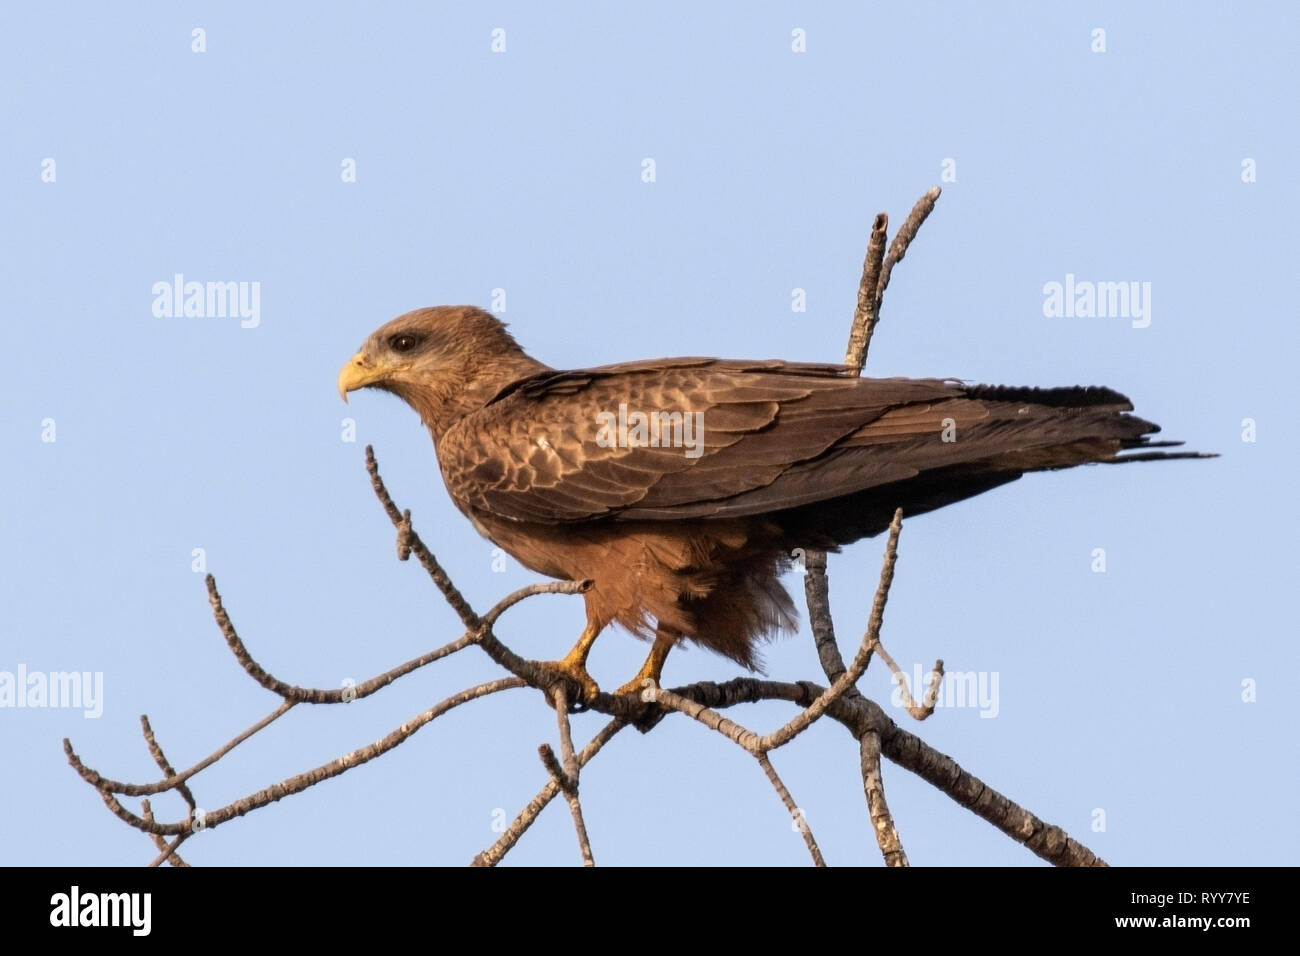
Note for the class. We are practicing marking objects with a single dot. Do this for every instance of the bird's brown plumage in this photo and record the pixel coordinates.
(687, 528)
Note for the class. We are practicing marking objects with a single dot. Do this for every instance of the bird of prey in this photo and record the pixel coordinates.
(680, 487)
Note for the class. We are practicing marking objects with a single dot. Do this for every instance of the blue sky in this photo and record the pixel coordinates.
(1119, 692)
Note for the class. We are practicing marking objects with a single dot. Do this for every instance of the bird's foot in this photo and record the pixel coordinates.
(637, 684)
(576, 675)
(652, 670)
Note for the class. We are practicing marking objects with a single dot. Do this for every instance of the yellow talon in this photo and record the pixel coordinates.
(577, 674)
(573, 666)
(653, 667)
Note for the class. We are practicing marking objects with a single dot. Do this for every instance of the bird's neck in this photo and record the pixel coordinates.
(442, 404)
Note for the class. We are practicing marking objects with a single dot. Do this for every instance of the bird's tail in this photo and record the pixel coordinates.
(1008, 431)
(1114, 436)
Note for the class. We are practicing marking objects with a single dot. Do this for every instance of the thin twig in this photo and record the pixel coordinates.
(568, 778)
(313, 695)
(100, 782)
(903, 239)
(873, 785)
(867, 313)
(816, 587)
(155, 749)
(931, 697)
(410, 541)
(172, 857)
(861, 660)
(554, 768)
(876, 270)
(169, 853)
(519, 826)
(796, 814)
(544, 587)
(300, 782)
(571, 768)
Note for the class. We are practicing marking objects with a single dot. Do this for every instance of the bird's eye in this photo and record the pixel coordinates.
(403, 342)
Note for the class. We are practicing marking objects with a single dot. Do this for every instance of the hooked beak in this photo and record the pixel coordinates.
(358, 373)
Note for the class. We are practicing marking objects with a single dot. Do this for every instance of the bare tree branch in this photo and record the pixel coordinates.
(876, 270)
(816, 589)
(796, 814)
(139, 790)
(312, 695)
(160, 758)
(873, 785)
(931, 697)
(903, 240)
(300, 782)
(407, 542)
(494, 854)
(867, 314)
(870, 640)
(567, 775)
(859, 715)
(169, 853)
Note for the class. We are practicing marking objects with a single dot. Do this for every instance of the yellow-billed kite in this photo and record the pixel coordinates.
(681, 487)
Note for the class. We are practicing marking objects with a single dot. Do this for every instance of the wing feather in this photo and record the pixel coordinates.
(748, 437)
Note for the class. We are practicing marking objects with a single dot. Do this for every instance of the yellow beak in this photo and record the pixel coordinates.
(358, 373)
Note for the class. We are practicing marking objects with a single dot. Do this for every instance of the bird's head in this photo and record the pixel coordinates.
(441, 361)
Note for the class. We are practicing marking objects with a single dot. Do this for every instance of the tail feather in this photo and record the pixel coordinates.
(1009, 431)
(1157, 456)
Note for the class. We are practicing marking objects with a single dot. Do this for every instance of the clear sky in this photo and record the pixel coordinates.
(1119, 693)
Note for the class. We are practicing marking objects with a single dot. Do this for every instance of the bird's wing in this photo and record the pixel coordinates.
(748, 437)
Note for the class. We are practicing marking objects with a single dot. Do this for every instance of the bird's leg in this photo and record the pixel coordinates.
(574, 664)
(665, 641)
